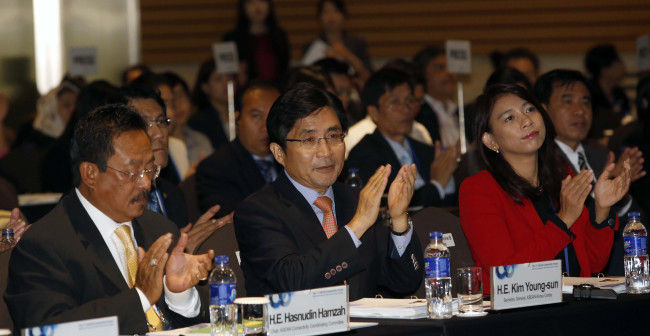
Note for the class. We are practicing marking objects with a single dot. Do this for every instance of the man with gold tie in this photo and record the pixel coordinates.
(305, 230)
(98, 252)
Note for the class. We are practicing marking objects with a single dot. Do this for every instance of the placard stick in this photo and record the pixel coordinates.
(231, 110)
(461, 119)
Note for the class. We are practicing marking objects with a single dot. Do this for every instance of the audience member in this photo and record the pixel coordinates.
(211, 99)
(439, 114)
(521, 59)
(312, 74)
(338, 73)
(245, 165)
(528, 205)
(6, 136)
(610, 103)
(305, 230)
(335, 42)
(80, 262)
(388, 96)
(641, 137)
(15, 222)
(133, 72)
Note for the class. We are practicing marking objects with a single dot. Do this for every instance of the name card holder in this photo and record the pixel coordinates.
(525, 285)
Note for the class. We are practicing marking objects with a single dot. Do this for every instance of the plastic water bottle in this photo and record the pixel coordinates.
(437, 279)
(7, 240)
(223, 291)
(353, 179)
(637, 270)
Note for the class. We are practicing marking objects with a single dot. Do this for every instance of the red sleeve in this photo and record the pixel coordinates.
(597, 241)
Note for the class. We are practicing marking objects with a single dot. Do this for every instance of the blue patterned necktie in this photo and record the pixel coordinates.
(153, 204)
(266, 168)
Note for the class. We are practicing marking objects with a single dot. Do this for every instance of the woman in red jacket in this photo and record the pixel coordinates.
(528, 205)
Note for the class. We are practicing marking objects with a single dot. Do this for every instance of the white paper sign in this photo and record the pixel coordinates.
(105, 326)
(448, 240)
(459, 56)
(642, 53)
(524, 285)
(82, 61)
(309, 312)
(225, 57)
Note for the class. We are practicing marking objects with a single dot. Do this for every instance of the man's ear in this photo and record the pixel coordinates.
(545, 106)
(89, 172)
(373, 112)
(488, 140)
(278, 152)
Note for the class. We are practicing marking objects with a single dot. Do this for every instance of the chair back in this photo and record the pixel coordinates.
(5, 319)
(188, 187)
(436, 219)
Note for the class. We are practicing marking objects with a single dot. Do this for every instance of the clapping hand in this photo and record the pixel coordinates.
(369, 201)
(151, 266)
(183, 270)
(635, 161)
(608, 191)
(16, 223)
(573, 194)
(401, 192)
(204, 227)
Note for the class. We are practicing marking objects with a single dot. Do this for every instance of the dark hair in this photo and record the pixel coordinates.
(298, 103)
(600, 57)
(552, 166)
(309, 74)
(142, 67)
(137, 91)
(520, 53)
(244, 23)
(201, 100)
(173, 79)
(339, 4)
(382, 81)
(93, 138)
(94, 95)
(256, 84)
(545, 83)
(72, 84)
(417, 77)
(508, 76)
(426, 55)
(152, 80)
(331, 66)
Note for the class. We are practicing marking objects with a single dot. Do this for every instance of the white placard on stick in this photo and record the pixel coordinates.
(524, 285)
(82, 61)
(459, 56)
(225, 57)
(643, 52)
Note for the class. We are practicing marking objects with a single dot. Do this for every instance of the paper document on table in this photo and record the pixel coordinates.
(615, 283)
(389, 308)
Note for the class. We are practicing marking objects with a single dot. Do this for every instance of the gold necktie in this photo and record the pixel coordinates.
(123, 232)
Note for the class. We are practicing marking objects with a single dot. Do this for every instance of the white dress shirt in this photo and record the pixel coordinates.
(365, 126)
(447, 120)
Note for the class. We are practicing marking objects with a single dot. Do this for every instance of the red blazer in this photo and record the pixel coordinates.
(502, 232)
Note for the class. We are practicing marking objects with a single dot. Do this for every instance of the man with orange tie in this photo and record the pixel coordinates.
(305, 230)
(80, 260)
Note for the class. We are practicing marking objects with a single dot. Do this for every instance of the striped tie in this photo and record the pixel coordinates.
(329, 222)
(123, 232)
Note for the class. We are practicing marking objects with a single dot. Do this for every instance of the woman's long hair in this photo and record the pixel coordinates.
(244, 23)
(552, 165)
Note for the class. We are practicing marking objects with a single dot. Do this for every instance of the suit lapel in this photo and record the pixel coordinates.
(248, 167)
(92, 240)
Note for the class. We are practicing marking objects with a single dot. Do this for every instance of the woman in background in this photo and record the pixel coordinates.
(210, 97)
(528, 206)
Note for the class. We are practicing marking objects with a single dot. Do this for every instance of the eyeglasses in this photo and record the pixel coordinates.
(161, 123)
(332, 140)
(150, 174)
(395, 104)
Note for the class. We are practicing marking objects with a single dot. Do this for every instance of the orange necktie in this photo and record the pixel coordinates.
(329, 222)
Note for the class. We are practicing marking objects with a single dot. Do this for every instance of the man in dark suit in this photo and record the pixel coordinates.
(387, 95)
(567, 97)
(305, 230)
(242, 167)
(79, 261)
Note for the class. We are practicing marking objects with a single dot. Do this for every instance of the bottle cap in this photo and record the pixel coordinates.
(221, 259)
(633, 214)
(435, 235)
(353, 170)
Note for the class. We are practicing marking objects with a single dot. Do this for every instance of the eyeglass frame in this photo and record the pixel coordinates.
(305, 142)
(162, 123)
(135, 177)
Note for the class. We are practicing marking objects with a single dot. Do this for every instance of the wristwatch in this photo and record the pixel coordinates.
(388, 222)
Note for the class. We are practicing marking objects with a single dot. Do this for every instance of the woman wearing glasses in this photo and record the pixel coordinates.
(528, 205)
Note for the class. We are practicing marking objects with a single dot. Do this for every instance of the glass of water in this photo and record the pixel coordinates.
(253, 315)
(470, 290)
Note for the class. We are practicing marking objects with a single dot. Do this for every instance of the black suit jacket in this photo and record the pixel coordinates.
(373, 150)
(284, 248)
(429, 119)
(62, 270)
(174, 202)
(208, 122)
(227, 177)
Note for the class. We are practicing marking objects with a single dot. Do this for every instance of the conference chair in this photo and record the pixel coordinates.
(224, 242)
(5, 319)
(436, 219)
(188, 187)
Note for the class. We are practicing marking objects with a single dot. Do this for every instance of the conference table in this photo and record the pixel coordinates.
(626, 315)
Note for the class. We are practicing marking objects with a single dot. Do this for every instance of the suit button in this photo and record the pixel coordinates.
(611, 222)
(332, 271)
(327, 276)
(344, 264)
(339, 268)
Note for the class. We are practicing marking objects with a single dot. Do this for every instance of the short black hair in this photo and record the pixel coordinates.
(382, 81)
(544, 86)
(255, 84)
(410, 68)
(339, 4)
(141, 67)
(93, 138)
(520, 53)
(332, 65)
(152, 80)
(138, 91)
(600, 57)
(424, 56)
(298, 103)
(174, 79)
(308, 74)
(508, 75)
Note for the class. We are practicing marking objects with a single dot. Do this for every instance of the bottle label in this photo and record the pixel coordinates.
(222, 294)
(635, 245)
(436, 267)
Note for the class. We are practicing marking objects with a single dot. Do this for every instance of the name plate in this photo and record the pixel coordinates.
(105, 326)
(309, 312)
(524, 285)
